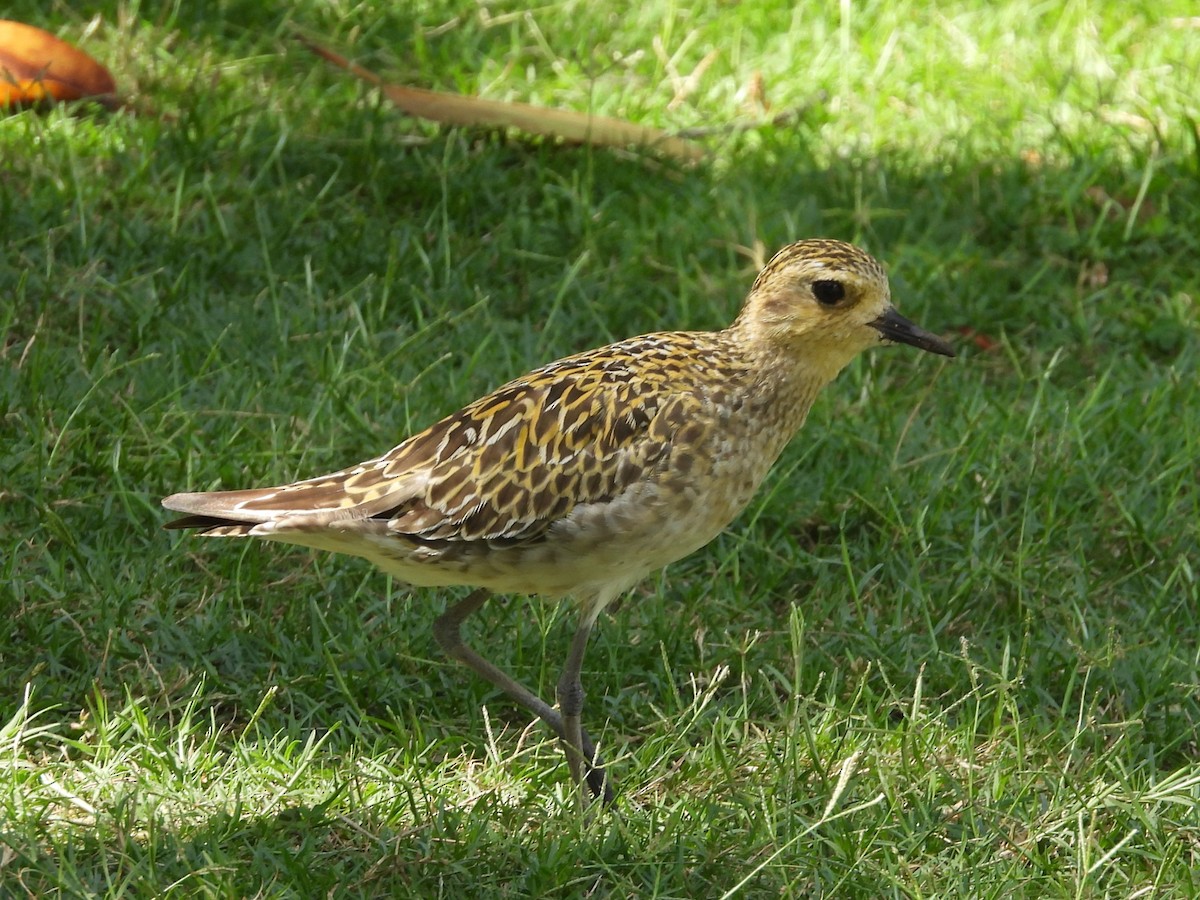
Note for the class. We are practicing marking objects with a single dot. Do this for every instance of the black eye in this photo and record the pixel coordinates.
(828, 292)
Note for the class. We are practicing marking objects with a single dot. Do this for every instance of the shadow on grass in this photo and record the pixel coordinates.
(569, 247)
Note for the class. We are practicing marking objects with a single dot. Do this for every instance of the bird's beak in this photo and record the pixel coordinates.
(894, 327)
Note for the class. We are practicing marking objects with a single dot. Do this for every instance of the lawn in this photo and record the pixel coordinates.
(952, 648)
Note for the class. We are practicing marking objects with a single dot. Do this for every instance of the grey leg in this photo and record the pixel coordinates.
(570, 704)
(447, 630)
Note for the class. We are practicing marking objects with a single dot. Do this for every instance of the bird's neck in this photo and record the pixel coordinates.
(784, 381)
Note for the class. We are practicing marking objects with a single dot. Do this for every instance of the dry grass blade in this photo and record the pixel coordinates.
(458, 109)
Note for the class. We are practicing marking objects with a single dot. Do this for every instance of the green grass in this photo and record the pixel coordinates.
(952, 648)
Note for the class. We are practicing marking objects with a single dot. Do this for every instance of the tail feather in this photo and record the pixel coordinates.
(242, 513)
(219, 513)
(212, 526)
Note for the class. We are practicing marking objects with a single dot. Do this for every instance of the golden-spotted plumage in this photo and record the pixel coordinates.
(590, 472)
(505, 467)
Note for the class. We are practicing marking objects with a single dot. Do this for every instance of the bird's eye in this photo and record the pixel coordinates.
(828, 292)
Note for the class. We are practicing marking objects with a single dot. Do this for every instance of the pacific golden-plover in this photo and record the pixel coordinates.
(587, 474)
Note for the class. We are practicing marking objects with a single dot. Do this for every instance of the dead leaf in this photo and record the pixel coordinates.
(36, 66)
(460, 109)
(756, 94)
(1031, 158)
(978, 338)
(1112, 207)
(1093, 275)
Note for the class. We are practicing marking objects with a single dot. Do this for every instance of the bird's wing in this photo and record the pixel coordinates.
(505, 467)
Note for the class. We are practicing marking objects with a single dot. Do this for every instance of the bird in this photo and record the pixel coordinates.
(589, 473)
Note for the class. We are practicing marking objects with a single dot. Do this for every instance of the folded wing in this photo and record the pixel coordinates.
(504, 468)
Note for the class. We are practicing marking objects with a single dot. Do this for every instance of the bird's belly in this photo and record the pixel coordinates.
(598, 548)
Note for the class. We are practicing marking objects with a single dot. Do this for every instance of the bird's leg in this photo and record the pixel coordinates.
(447, 630)
(570, 704)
